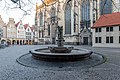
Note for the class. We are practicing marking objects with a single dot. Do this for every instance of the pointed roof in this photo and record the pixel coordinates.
(26, 25)
(108, 20)
(18, 23)
(31, 28)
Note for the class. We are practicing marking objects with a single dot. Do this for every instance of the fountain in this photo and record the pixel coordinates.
(61, 57)
(60, 53)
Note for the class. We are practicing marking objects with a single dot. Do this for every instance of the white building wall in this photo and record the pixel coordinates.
(104, 34)
(20, 32)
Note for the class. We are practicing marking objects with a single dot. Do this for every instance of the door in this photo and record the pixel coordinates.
(85, 40)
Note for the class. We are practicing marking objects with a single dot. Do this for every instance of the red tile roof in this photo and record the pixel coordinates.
(18, 23)
(31, 28)
(108, 20)
(26, 25)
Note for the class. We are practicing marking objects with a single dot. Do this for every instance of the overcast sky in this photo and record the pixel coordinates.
(16, 13)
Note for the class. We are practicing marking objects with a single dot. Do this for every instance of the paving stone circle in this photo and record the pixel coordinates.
(94, 60)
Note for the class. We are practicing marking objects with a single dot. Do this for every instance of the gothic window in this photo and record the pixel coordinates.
(85, 13)
(75, 15)
(68, 18)
(105, 7)
(41, 19)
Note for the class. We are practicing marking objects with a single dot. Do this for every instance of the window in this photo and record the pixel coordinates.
(107, 29)
(96, 39)
(85, 12)
(99, 29)
(68, 18)
(41, 19)
(107, 7)
(96, 30)
(100, 40)
(48, 29)
(111, 28)
(111, 39)
(107, 39)
(119, 39)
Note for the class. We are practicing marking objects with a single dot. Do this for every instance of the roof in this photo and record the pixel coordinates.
(18, 23)
(108, 20)
(27, 25)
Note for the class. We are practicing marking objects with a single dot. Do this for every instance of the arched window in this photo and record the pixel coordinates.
(41, 19)
(1, 32)
(105, 7)
(68, 18)
(85, 13)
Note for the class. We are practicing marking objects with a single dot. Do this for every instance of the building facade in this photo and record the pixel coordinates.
(20, 33)
(29, 34)
(16, 34)
(3, 32)
(11, 32)
(73, 15)
(106, 31)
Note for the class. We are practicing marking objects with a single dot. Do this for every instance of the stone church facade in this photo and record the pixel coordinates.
(76, 17)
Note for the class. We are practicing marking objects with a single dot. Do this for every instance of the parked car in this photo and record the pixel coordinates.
(4, 45)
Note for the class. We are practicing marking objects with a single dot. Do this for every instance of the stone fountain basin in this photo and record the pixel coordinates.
(60, 49)
(45, 55)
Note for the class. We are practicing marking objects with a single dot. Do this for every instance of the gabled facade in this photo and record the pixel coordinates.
(20, 33)
(11, 31)
(106, 31)
(29, 34)
(3, 32)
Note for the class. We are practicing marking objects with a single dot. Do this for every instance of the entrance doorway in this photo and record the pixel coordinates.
(85, 40)
(53, 40)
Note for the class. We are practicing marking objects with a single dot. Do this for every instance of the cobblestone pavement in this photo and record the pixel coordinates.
(11, 70)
